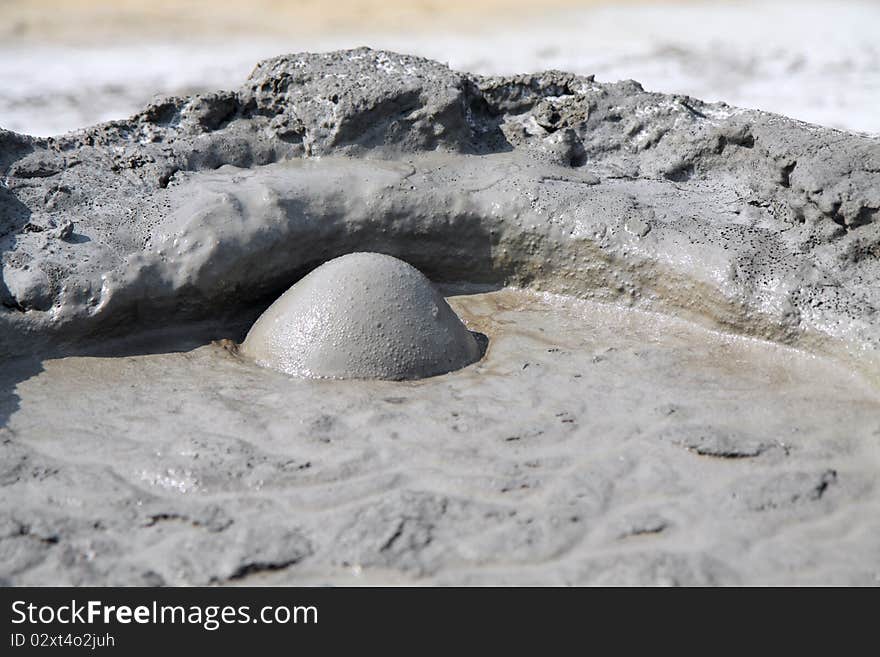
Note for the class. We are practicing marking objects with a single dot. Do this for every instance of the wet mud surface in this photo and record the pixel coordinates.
(591, 445)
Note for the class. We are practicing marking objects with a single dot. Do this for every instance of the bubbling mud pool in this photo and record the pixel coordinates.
(592, 444)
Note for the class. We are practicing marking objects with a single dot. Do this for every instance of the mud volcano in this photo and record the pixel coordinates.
(362, 316)
(681, 300)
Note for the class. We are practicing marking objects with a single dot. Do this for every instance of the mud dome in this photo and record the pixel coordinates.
(362, 316)
(732, 438)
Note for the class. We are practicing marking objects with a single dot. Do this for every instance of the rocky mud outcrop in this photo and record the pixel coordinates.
(207, 207)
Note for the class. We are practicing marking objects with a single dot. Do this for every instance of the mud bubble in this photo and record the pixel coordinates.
(362, 316)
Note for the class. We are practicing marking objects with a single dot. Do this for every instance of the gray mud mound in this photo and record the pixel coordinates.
(213, 205)
(584, 447)
(362, 316)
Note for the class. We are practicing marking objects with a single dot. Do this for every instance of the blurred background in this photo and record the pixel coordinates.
(66, 64)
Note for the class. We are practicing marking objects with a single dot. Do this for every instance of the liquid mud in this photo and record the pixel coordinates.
(590, 445)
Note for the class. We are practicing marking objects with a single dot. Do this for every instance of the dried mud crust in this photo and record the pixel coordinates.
(742, 219)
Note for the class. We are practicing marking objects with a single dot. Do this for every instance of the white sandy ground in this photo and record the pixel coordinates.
(818, 61)
(591, 446)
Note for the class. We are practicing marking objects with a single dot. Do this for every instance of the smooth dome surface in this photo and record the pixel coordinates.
(362, 316)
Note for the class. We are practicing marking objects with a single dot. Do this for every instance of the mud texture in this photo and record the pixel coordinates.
(591, 445)
(127, 450)
(210, 206)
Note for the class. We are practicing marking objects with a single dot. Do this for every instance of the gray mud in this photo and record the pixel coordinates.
(591, 445)
(361, 316)
(212, 205)
(725, 445)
